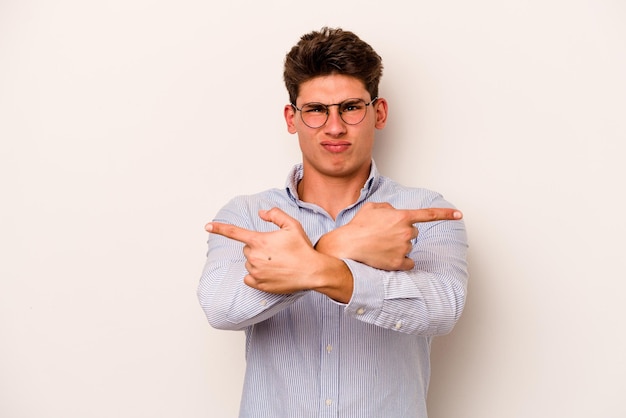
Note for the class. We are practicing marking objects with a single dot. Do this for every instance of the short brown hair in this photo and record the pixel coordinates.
(331, 51)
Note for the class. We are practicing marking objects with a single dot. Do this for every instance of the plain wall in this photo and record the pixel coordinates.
(125, 125)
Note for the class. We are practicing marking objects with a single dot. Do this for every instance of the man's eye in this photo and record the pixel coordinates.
(351, 107)
(314, 109)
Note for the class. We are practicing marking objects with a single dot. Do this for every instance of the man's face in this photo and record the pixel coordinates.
(336, 149)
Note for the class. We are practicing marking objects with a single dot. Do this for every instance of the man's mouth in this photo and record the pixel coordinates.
(335, 146)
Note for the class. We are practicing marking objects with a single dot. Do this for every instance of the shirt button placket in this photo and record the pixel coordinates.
(330, 361)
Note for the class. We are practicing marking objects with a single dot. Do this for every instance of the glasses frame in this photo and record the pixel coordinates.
(328, 106)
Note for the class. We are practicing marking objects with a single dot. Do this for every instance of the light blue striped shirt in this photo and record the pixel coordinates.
(309, 356)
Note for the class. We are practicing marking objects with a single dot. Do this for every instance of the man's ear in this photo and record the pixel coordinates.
(290, 115)
(381, 108)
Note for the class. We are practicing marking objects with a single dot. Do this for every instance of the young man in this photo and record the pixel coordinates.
(341, 278)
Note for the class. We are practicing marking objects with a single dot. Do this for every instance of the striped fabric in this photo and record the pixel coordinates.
(308, 356)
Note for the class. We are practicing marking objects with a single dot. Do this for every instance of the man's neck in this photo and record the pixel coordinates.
(331, 193)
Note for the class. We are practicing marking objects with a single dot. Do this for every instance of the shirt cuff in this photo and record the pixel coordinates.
(368, 291)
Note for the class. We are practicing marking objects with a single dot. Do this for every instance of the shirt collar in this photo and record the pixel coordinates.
(296, 173)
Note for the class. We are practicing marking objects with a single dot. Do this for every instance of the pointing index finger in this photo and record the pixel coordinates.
(434, 214)
(230, 231)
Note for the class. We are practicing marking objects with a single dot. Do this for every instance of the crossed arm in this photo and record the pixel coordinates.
(285, 261)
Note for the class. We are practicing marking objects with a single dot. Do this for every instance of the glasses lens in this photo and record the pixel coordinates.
(314, 114)
(352, 111)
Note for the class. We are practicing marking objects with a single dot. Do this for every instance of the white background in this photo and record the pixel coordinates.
(126, 124)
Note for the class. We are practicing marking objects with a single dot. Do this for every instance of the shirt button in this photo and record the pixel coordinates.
(329, 402)
(360, 311)
(329, 348)
(398, 325)
(263, 302)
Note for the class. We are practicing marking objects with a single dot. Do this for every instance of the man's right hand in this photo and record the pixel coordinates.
(284, 261)
(380, 235)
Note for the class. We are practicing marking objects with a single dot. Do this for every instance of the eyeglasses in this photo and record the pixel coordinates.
(351, 111)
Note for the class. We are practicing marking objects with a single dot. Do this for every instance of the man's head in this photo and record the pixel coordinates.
(331, 51)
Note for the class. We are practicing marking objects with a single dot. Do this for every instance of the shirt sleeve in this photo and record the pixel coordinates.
(427, 300)
(227, 301)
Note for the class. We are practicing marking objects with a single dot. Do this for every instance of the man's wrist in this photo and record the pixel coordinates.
(330, 244)
(334, 280)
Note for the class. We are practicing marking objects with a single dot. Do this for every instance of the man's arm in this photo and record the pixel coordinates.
(244, 283)
(404, 280)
